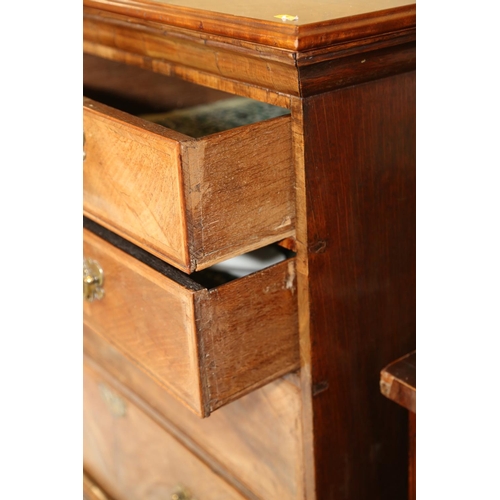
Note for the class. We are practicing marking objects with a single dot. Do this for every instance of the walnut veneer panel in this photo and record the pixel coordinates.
(207, 347)
(133, 457)
(255, 442)
(191, 202)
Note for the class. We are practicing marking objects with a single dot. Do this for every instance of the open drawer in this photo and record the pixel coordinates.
(206, 346)
(190, 201)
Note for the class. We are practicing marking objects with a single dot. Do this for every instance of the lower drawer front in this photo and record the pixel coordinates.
(256, 439)
(132, 457)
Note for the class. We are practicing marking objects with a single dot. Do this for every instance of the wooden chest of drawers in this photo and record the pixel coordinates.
(283, 362)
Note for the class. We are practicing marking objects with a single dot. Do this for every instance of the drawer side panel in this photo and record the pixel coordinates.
(249, 333)
(240, 196)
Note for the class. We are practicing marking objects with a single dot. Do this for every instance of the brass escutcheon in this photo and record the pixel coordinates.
(115, 403)
(93, 278)
(181, 493)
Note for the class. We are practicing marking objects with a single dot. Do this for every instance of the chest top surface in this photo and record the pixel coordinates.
(294, 24)
(305, 11)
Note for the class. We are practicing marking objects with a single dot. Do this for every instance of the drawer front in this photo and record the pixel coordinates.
(132, 457)
(191, 202)
(206, 347)
(257, 439)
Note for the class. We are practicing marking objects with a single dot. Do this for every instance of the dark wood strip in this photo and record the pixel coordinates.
(360, 184)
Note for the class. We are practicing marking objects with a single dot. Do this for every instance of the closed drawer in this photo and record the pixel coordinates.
(257, 438)
(132, 457)
(206, 346)
(191, 202)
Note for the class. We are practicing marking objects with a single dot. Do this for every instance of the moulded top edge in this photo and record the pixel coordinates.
(293, 25)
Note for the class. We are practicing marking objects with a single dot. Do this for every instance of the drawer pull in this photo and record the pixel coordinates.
(93, 278)
(181, 493)
(115, 403)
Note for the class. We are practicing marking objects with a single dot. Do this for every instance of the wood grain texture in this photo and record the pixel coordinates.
(254, 443)
(258, 65)
(356, 62)
(205, 79)
(207, 347)
(249, 332)
(319, 23)
(359, 154)
(150, 318)
(137, 90)
(328, 55)
(192, 202)
(398, 381)
(239, 189)
(92, 491)
(132, 180)
(133, 457)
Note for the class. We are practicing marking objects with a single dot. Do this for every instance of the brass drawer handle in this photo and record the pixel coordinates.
(93, 278)
(115, 403)
(181, 493)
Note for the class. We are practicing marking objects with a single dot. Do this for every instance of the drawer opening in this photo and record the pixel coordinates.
(182, 106)
(241, 265)
(209, 278)
(207, 119)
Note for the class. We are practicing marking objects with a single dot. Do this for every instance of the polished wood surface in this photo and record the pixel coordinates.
(191, 55)
(356, 282)
(398, 381)
(308, 12)
(191, 202)
(92, 491)
(252, 70)
(319, 23)
(254, 443)
(133, 457)
(207, 347)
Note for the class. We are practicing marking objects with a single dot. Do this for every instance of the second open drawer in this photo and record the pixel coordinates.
(190, 201)
(206, 346)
